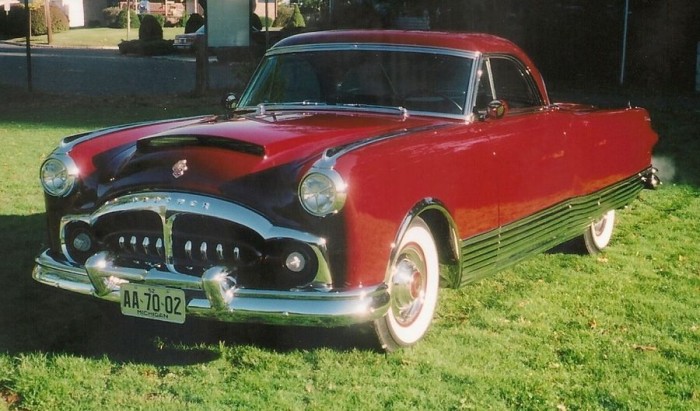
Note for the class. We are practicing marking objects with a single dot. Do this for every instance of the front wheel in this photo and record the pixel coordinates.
(597, 236)
(413, 285)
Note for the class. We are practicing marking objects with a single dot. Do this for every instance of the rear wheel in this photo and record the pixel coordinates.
(597, 236)
(413, 286)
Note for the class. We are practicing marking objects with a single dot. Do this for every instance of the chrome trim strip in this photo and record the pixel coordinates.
(224, 302)
(67, 143)
(331, 155)
(393, 47)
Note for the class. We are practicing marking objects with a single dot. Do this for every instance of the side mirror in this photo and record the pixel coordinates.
(496, 109)
(229, 102)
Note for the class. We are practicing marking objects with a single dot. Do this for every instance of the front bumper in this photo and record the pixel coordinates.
(214, 297)
(208, 248)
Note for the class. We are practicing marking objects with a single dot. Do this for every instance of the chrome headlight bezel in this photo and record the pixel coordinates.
(322, 192)
(59, 175)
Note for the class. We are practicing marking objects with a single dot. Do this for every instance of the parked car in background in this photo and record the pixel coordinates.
(187, 42)
(357, 173)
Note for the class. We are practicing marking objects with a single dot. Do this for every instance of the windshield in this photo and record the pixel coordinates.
(418, 81)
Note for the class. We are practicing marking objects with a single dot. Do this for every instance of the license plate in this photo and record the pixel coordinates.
(153, 302)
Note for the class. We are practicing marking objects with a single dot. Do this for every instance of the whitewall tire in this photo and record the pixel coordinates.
(413, 286)
(598, 235)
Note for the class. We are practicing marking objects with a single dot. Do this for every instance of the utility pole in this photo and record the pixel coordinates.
(29, 47)
(623, 63)
(47, 15)
(267, 26)
(128, 19)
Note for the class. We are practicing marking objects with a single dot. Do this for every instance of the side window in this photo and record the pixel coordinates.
(485, 89)
(512, 83)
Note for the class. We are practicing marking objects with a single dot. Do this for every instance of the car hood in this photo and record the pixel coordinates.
(239, 158)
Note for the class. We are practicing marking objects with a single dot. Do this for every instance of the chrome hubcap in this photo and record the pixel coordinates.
(408, 286)
(599, 226)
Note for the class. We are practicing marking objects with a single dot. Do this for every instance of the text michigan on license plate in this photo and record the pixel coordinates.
(156, 303)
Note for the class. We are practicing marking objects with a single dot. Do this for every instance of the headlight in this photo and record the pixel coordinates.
(322, 192)
(58, 176)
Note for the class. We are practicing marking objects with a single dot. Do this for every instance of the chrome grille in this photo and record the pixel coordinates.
(188, 234)
(188, 243)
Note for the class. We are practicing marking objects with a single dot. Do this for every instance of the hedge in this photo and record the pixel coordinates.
(16, 21)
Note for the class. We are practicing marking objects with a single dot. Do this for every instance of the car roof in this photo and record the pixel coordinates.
(470, 42)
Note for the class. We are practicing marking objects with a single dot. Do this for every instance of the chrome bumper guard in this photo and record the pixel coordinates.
(222, 300)
(650, 178)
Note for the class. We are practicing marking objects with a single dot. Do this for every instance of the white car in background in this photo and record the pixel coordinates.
(187, 41)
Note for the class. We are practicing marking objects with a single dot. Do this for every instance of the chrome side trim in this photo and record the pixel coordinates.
(67, 143)
(504, 246)
(219, 298)
(331, 155)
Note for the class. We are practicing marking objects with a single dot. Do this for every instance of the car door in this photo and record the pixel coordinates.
(530, 144)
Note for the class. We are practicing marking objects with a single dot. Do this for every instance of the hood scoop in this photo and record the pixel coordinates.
(164, 142)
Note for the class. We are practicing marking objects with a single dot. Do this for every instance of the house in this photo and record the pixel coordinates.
(6, 4)
(73, 9)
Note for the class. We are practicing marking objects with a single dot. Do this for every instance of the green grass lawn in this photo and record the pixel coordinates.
(556, 332)
(96, 37)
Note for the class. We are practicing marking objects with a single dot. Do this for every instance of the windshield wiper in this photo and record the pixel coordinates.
(262, 108)
(400, 109)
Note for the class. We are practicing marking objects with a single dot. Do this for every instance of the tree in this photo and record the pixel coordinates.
(297, 20)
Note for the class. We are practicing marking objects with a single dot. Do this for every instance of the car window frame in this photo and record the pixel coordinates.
(486, 71)
(466, 114)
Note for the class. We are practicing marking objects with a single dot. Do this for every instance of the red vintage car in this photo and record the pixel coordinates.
(357, 173)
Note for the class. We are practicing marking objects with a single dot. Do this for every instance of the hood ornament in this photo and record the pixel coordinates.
(179, 168)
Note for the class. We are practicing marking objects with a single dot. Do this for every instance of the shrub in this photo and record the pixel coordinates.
(159, 18)
(147, 47)
(59, 20)
(3, 21)
(297, 20)
(194, 22)
(284, 14)
(111, 16)
(121, 20)
(266, 21)
(183, 21)
(17, 21)
(150, 28)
